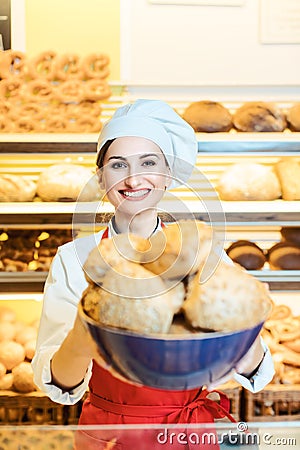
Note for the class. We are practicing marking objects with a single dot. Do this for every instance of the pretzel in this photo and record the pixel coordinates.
(70, 91)
(68, 67)
(10, 88)
(32, 110)
(87, 124)
(5, 126)
(12, 62)
(286, 330)
(40, 90)
(83, 109)
(96, 90)
(95, 66)
(43, 65)
(26, 125)
(5, 107)
(56, 124)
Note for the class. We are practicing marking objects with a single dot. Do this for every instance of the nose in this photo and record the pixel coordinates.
(132, 180)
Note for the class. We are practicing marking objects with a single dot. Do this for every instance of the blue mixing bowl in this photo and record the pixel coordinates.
(171, 361)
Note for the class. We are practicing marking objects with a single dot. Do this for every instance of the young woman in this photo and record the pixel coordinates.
(143, 150)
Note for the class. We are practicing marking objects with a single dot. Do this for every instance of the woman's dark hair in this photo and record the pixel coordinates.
(102, 151)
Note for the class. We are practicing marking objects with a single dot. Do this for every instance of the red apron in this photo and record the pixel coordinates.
(113, 401)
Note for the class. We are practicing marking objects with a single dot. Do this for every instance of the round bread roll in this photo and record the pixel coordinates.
(259, 116)
(16, 188)
(110, 252)
(179, 249)
(132, 298)
(208, 116)
(247, 254)
(230, 299)
(23, 378)
(68, 183)
(11, 354)
(293, 117)
(291, 234)
(249, 181)
(284, 256)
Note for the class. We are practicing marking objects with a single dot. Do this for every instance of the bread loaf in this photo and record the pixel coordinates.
(16, 188)
(249, 181)
(208, 116)
(288, 171)
(68, 182)
(259, 116)
(293, 117)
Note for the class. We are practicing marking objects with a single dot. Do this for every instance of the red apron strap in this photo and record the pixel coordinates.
(105, 234)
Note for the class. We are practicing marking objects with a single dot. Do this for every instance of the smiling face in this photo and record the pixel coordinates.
(134, 174)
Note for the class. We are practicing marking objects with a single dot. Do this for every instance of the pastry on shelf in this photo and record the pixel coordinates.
(16, 188)
(248, 254)
(293, 117)
(248, 181)
(208, 116)
(259, 116)
(288, 172)
(284, 256)
(291, 234)
(68, 183)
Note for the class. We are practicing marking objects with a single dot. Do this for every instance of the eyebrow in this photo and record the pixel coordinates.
(147, 155)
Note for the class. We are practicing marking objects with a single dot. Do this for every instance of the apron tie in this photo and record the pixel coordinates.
(201, 410)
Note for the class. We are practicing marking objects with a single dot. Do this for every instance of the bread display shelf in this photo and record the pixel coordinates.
(20, 282)
(278, 279)
(232, 141)
(34, 281)
(87, 215)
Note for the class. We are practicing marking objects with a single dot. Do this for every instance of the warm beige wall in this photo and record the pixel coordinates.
(74, 26)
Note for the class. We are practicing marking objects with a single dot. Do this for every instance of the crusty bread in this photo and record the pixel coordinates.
(179, 249)
(133, 298)
(16, 188)
(293, 117)
(249, 181)
(230, 300)
(288, 172)
(68, 182)
(208, 116)
(259, 116)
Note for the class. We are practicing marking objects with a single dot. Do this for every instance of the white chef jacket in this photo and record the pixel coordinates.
(63, 290)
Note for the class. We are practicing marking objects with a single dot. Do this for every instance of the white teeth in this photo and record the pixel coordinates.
(135, 193)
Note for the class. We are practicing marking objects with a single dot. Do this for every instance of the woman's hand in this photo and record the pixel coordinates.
(90, 346)
(246, 366)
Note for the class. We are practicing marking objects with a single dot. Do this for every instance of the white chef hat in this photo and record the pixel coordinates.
(157, 121)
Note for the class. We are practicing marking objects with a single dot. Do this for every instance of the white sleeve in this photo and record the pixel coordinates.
(262, 377)
(63, 290)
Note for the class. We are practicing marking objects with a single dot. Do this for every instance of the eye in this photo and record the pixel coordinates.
(149, 163)
(118, 165)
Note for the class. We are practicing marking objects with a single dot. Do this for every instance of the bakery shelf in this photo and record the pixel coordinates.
(282, 280)
(45, 214)
(230, 142)
(278, 279)
(14, 282)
